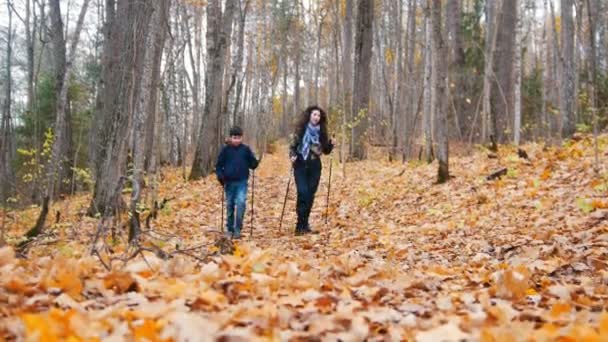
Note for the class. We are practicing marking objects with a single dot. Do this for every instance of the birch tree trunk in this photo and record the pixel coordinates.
(517, 77)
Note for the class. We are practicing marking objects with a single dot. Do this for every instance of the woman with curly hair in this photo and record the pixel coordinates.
(308, 142)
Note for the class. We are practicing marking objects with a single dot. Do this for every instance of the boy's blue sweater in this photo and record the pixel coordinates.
(233, 163)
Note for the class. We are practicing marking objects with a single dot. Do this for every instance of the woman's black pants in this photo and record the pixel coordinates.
(307, 174)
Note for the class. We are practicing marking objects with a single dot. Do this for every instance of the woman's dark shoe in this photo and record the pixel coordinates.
(308, 230)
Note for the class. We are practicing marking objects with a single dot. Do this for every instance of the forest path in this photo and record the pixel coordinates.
(401, 257)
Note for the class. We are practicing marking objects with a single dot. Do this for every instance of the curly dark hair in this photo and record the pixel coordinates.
(302, 122)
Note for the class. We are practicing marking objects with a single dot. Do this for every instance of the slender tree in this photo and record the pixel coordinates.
(567, 86)
(219, 31)
(362, 80)
(7, 176)
(440, 84)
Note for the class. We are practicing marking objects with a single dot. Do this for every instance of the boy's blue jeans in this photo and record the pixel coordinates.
(236, 196)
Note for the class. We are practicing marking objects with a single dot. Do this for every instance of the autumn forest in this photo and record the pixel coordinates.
(304, 170)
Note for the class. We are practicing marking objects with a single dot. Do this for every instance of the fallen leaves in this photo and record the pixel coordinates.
(521, 258)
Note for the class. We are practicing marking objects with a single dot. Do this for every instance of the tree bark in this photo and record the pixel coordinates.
(151, 109)
(441, 70)
(490, 39)
(347, 70)
(60, 165)
(218, 39)
(145, 107)
(567, 86)
(126, 51)
(517, 77)
(428, 86)
(362, 80)
(7, 176)
(411, 89)
(502, 95)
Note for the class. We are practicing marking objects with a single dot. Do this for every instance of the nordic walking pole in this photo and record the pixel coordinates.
(285, 201)
(331, 161)
(252, 198)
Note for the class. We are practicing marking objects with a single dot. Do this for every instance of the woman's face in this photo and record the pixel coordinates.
(315, 117)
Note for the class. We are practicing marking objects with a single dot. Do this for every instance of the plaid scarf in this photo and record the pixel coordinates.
(311, 137)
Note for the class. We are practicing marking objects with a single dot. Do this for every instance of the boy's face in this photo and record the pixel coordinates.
(236, 140)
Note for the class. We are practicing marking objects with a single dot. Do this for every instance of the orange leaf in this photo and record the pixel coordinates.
(17, 285)
(546, 174)
(604, 324)
(599, 204)
(559, 309)
(120, 282)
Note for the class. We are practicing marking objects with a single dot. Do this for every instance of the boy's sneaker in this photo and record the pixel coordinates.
(236, 236)
(228, 234)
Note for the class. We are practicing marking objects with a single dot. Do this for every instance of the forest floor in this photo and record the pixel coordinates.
(523, 257)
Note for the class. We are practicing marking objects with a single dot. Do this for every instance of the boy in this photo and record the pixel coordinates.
(232, 170)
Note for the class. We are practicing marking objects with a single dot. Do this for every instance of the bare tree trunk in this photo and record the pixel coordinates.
(545, 126)
(398, 114)
(517, 76)
(502, 95)
(126, 51)
(457, 63)
(30, 33)
(320, 20)
(567, 85)
(347, 71)
(592, 13)
(492, 7)
(58, 168)
(195, 62)
(411, 88)
(218, 39)
(237, 74)
(151, 109)
(145, 108)
(441, 70)
(362, 81)
(7, 176)
(428, 86)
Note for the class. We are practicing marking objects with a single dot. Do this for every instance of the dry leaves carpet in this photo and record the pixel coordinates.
(520, 258)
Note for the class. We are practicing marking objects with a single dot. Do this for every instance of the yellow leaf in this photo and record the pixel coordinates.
(531, 292)
(388, 55)
(38, 326)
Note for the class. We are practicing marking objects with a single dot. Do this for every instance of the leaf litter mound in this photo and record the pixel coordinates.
(520, 257)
